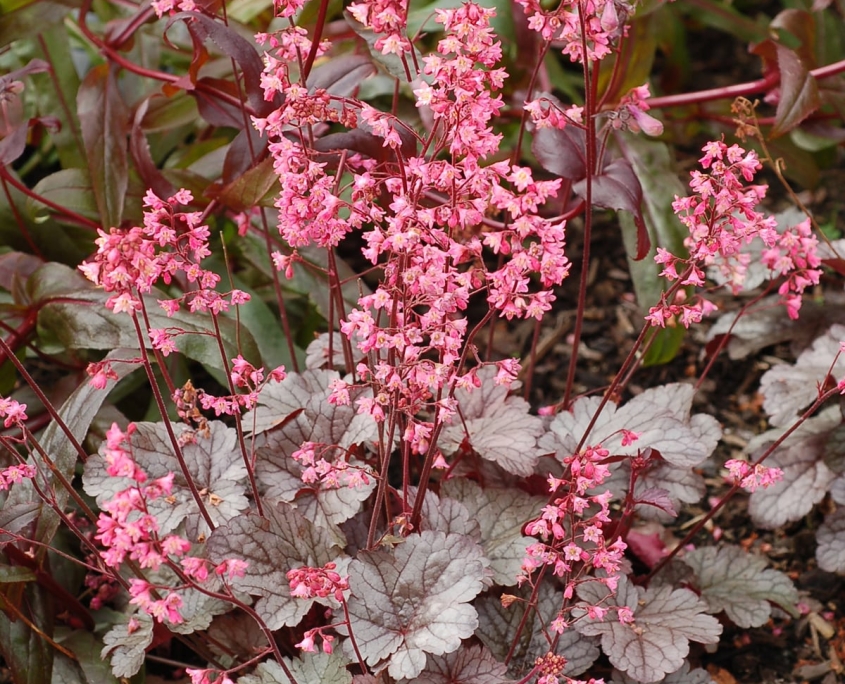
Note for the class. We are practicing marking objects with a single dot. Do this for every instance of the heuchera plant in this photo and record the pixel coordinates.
(385, 507)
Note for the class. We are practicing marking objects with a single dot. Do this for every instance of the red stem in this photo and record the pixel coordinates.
(740, 89)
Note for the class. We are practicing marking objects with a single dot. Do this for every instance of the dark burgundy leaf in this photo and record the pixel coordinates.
(244, 152)
(214, 110)
(238, 48)
(248, 189)
(562, 152)
(617, 187)
(140, 150)
(13, 145)
(104, 119)
(341, 75)
(799, 93)
(364, 142)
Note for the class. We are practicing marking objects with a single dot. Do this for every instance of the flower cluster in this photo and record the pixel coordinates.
(550, 668)
(13, 412)
(604, 22)
(794, 256)
(387, 18)
(752, 477)
(202, 676)
(129, 263)
(572, 530)
(14, 474)
(128, 529)
(631, 113)
(244, 376)
(322, 582)
(427, 222)
(329, 475)
(722, 218)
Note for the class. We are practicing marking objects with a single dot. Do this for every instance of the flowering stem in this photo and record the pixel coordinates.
(177, 449)
(315, 41)
(736, 486)
(589, 102)
(74, 442)
(277, 288)
(238, 424)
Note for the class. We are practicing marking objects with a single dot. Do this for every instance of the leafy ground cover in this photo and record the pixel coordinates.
(396, 341)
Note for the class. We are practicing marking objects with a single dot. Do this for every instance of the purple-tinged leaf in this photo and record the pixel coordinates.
(806, 478)
(15, 517)
(69, 188)
(500, 513)
(830, 553)
(214, 462)
(104, 120)
(468, 665)
(272, 546)
(799, 93)
(325, 668)
(767, 325)
(338, 427)
(498, 627)
(127, 650)
(681, 485)
(447, 515)
(342, 75)
(15, 269)
(245, 152)
(657, 642)
(834, 450)
(198, 609)
(13, 145)
(656, 497)
(562, 152)
(236, 634)
(683, 676)
(309, 391)
(658, 176)
(139, 148)
(248, 189)
(617, 187)
(660, 415)
(737, 582)
(233, 45)
(414, 600)
(788, 389)
(498, 427)
(214, 110)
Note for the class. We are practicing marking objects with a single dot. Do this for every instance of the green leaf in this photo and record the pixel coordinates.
(56, 93)
(104, 119)
(86, 647)
(69, 188)
(651, 163)
(23, 20)
(73, 315)
(15, 573)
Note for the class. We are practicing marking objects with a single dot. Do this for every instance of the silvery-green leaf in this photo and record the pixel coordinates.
(732, 580)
